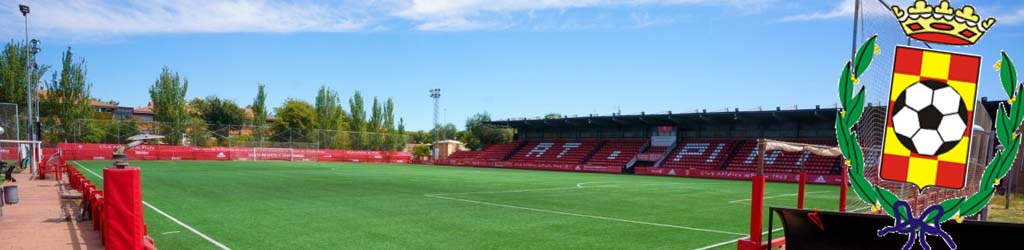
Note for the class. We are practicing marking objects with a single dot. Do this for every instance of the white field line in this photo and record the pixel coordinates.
(175, 220)
(779, 196)
(732, 241)
(518, 190)
(578, 185)
(581, 184)
(584, 215)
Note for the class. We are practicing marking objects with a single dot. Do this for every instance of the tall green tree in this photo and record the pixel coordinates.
(376, 125)
(259, 113)
(388, 126)
(448, 131)
(401, 135)
(357, 123)
(12, 73)
(220, 115)
(481, 134)
(66, 106)
(12, 83)
(295, 122)
(168, 97)
(330, 118)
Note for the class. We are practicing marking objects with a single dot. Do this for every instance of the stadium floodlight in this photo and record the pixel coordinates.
(28, 88)
(35, 46)
(120, 158)
(436, 94)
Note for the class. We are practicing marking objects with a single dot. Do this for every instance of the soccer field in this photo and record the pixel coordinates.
(299, 205)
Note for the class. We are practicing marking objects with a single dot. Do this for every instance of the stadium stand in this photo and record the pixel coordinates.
(702, 144)
(703, 154)
(616, 152)
(745, 159)
(556, 151)
(712, 154)
(500, 152)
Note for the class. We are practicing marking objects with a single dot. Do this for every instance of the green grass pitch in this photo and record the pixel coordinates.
(298, 205)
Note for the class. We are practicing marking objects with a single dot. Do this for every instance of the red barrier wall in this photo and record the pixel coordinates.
(530, 165)
(739, 175)
(84, 151)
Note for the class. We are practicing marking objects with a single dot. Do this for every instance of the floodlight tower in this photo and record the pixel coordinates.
(436, 94)
(32, 48)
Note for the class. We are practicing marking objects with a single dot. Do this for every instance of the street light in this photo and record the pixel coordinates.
(436, 94)
(32, 48)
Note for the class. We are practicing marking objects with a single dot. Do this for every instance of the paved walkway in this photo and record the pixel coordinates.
(34, 222)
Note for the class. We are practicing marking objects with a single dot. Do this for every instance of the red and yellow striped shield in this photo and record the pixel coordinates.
(928, 128)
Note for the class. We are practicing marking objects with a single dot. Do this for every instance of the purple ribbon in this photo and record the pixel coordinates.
(915, 227)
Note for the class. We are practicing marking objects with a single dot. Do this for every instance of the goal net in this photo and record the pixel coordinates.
(10, 124)
(874, 17)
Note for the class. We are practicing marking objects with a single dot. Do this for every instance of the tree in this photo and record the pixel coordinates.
(388, 127)
(13, 71)
(259, 114)
(12, 80)
(419, 137)
(198, 134)
(168, 97)
(421, 151)
(448, 131)
(218, 114)
(330, 118)
(401, 136)
(357, 123)
(295, 122)
(482, 135)
(553, 116)
(118, 132)
(66, 105)
(376, 126)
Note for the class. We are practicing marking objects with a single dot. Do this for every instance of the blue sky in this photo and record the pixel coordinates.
(508, 57)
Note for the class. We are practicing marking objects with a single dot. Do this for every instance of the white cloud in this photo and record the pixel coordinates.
(845, 9)
(1014, 18)
(473, 14)
(98, 18)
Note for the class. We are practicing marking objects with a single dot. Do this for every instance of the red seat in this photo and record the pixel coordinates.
(616, 153)
(700, 153)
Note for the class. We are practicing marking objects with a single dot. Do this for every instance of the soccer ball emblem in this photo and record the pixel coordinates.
(930, 118)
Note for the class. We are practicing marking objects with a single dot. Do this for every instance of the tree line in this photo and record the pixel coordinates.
(67, 115)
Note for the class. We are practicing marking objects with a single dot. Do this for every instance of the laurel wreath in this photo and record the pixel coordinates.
(1007, 125)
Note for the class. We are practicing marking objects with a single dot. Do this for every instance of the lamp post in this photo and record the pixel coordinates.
(436, 94)
(31, 49)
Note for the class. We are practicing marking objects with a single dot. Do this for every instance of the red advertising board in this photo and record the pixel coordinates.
(85, 151)
(738, 175)
(531, 165)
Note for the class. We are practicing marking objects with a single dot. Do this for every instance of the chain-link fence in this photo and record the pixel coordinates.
(219, 135)
(11, 121)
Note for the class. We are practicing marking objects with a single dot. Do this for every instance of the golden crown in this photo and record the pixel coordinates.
(942, 24)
